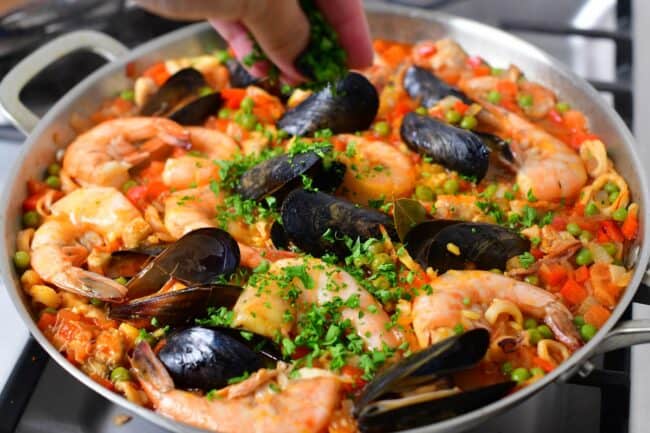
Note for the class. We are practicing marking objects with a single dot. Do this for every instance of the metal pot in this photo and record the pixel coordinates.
(391, 22)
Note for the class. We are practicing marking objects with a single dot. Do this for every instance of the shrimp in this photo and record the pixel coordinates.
(444, 306)
(375, 169)
(199, 169)
(84, 219)
(103, 155)
(303, 405)
(264, 305)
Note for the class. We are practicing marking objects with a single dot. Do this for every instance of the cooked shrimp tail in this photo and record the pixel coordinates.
(90, 285)
(562, 326)
(149, 370)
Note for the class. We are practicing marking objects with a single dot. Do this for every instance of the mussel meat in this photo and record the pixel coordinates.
(455, 148)
(278, 176)
(308, 215)
(449, 244)
(177, 306)
(127, 263)
(348, 105)
(198, 258)
(206, 358)
(183, 84)
(393, 402)
(421, 84)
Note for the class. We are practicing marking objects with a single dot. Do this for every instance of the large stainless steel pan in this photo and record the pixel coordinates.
(390, 22)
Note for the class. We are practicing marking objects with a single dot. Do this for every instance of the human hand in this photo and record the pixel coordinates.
(279, 26)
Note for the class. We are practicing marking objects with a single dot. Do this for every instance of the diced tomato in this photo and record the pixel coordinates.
(356, 374)
(300, 352)
(339, 145)
(461, 107)
(579, 137)
(153, 171)
(553, 274)
(155, 189)
(612, 230)
(601, 236)
(474, 61)
(30, 202)
(46, 320)
(233, 97)
(559, 222)
(507, 88)
(35, 187)
(137, 195)
(537, 253)
(555, 116)
(482, 71)
(575, 120)
(573, 292)
(543, 364)
(402, 107)
(158, 73)
(579, 209)
(597, 315)
(630, 227)
(581, 274)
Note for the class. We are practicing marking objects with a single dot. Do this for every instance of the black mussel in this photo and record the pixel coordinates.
(278, 176)
(177, 306)
(391, 401)
(196, 112)
(308, 215)
(206, 358)
(279, 236)
(180, 86)
(348, 105)
(239, 76)
(421, 84)
(455, 148)
(447, 244)
(498, 145)
(198, 258)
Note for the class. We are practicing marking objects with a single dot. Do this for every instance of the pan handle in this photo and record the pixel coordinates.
(625, 334)
(14, 82)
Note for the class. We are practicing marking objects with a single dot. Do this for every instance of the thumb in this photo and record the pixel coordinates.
(282, 31)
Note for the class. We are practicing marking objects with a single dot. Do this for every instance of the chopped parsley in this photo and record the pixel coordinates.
(526, 260)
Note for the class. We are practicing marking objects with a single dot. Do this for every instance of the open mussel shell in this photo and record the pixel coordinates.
(421, 84)
(127, 263)
(177, 306)
(455, 148)
(206, 358)
(176, 89)
(428, 408)
(196, 112)
(278, 176)
(239, 76)
(198, 258)
(348, 105)
(448, 244)
(308, 215)
(438, 360)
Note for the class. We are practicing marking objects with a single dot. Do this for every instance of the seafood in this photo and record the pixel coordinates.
(443, 307)
(426, 87)
(177, 89)
(303, 405)
(197, 111)
(104, 154)
(348, 105)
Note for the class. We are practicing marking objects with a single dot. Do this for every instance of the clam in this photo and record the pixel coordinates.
(198, 258)
(206, 358)
(177, 306)
(455, 148)
(278, 176)
(421, 84)
(449, 244)
(348, 105)
(419, 389)
(308, 215)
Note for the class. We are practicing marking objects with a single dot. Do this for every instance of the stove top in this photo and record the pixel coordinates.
(592, 36)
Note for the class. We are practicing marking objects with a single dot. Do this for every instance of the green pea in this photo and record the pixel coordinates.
(422, 111)
(376, 247)
(619, 214)
(53, 182)
(611, 187)
(545, 331)
(382, 128)
(222, 56)
(562, 107)
(578, 321)
(459, 329)
(205, 90)
(54, 169)
(584, 257)
(31, 219)
(591, 209)
(574, 229)
(452, 116)
(610, 247)
(534, 336)
(468, 122)
(379, 260)
(613, 196)
(525, 100)
(520, 374)
(506, 367)
(381, 283)
(451, 186)
(128, 185)
(586, 236)
(128, 95)
(494, 96)
(120, 374)
(530, 323)
(224, 113)
(536, 371)
(424, 193)
(247, 121)
(467, 301)
(490, 190)
(121, 280)
(532, 279)
(588, 331)
(21, 259)
(247, 104)
(96, 302)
